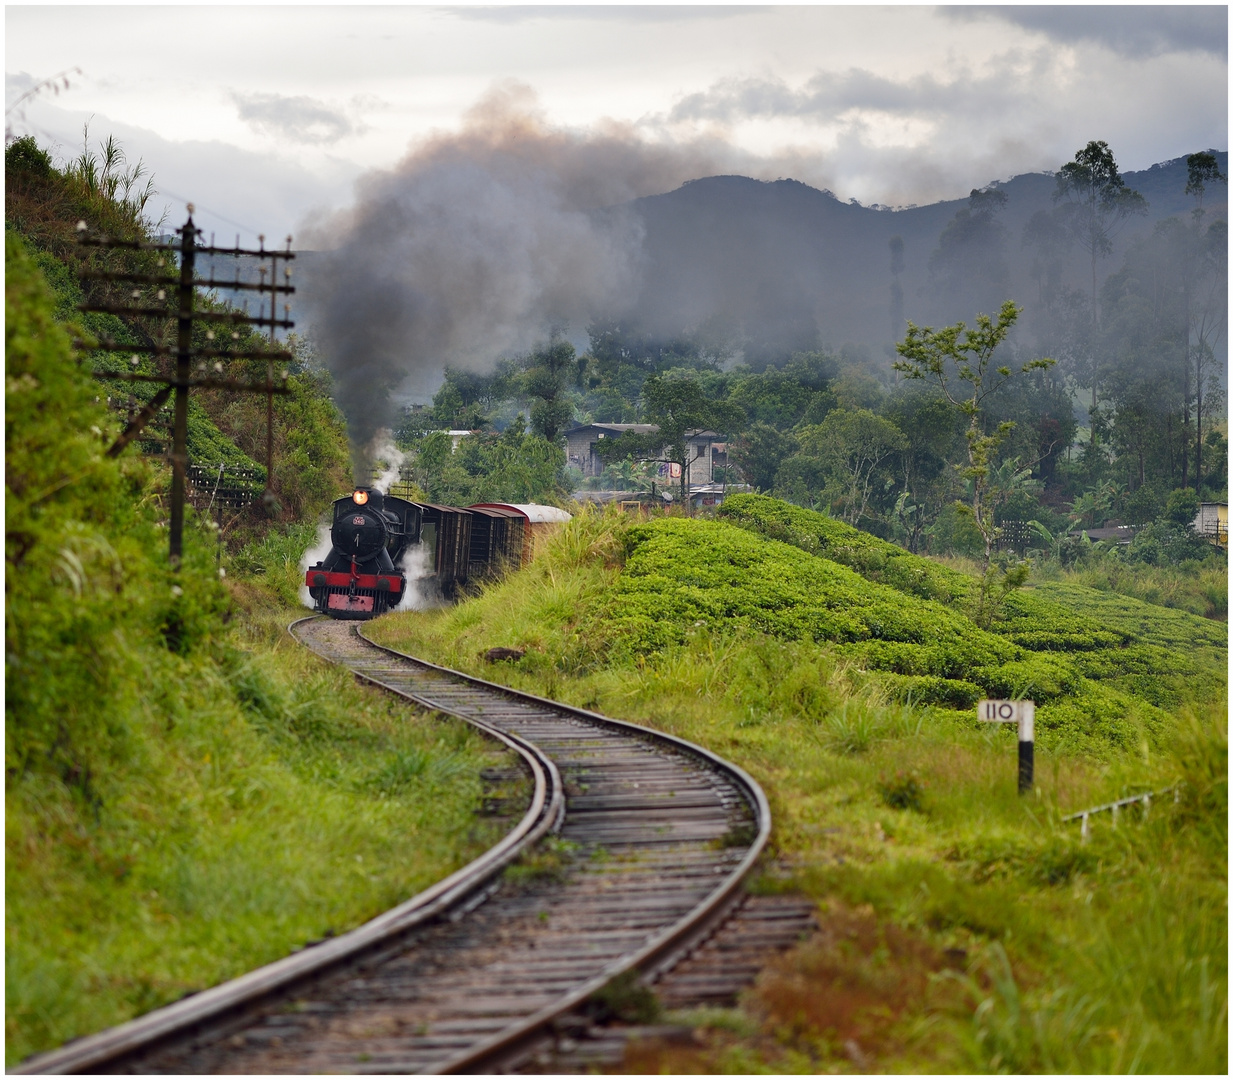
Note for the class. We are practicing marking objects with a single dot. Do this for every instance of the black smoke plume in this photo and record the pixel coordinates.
(478, 241)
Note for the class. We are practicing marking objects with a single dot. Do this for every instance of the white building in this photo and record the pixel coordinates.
(706, 451)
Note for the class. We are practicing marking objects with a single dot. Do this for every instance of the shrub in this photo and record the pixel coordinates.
(932, 690)
(874, 559)
(1033, 622)
(1181, 507)
(903, 791)
(1040, 678)
(1168, 543)
(89, 588)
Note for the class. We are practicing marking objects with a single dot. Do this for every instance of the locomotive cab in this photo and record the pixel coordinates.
(362, 577)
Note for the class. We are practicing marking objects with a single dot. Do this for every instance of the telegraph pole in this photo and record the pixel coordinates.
(185, 284)
(184, 357)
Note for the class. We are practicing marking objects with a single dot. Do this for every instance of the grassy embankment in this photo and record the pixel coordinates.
(966, 928)
(188, 794)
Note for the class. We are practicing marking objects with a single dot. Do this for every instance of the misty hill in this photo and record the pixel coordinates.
(786, 265)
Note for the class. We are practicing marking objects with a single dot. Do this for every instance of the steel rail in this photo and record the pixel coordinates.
(659, 952)
(93, 1052)
(491, 1051)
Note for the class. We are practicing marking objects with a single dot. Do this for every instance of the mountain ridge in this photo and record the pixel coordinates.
(795, 265)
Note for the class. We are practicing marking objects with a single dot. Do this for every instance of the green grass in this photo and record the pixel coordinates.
(1199, 588)
(285, 804)
(1109, 956)
(188, 793)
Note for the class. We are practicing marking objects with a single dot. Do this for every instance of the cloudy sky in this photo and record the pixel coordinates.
(266, 116)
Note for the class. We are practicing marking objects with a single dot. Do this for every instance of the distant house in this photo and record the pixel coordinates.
(706, 451)
(1212, 522)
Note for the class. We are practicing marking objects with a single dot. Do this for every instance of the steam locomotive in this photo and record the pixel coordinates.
(375, 536)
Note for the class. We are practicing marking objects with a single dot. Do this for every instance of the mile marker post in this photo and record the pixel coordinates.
(1022, 713)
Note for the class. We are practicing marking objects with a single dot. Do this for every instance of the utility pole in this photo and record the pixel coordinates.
(185, 284)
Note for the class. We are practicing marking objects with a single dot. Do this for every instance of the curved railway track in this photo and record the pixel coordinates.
(655, 838)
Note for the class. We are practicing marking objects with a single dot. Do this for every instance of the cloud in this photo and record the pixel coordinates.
(601, 12)
(915, 138)
(17, 83)
(829, 95)
(1129, 31)
(300, 119)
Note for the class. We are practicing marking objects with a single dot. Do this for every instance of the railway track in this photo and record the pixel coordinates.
(654, 839)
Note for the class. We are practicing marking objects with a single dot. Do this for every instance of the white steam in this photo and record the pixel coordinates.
(384, 454)
(421, 592)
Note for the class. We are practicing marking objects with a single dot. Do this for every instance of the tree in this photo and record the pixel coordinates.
(896, 289)
(546, 379)
(1202, 169)
(511, 466)
(1206, 291)
(850, 446)
(933, 430)
(968, 267)
(957, 354)
(1095, 203)
(759, 453)
(679, 408)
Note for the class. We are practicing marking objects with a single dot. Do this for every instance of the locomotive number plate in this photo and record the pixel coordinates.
(343, 602)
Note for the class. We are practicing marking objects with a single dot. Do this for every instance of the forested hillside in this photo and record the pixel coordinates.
(1126, 425)
(786, 266)
(43, 205)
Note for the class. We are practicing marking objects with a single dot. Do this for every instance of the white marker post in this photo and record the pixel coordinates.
(1022, 713)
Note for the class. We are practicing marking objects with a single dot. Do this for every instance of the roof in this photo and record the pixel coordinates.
(535, 513)
(495, 510)
(443, 509)
(620, 429)
(640, 429)
(1123, 534)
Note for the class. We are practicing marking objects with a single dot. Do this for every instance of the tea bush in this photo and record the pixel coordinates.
(683, 576)
(1034, 622)
(1162, 657)
(681, 573)
(874, 559)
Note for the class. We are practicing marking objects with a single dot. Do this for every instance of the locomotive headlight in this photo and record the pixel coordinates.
(360, 498)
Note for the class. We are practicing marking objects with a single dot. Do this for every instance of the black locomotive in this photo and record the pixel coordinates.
(361, 576)
(376, 536)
